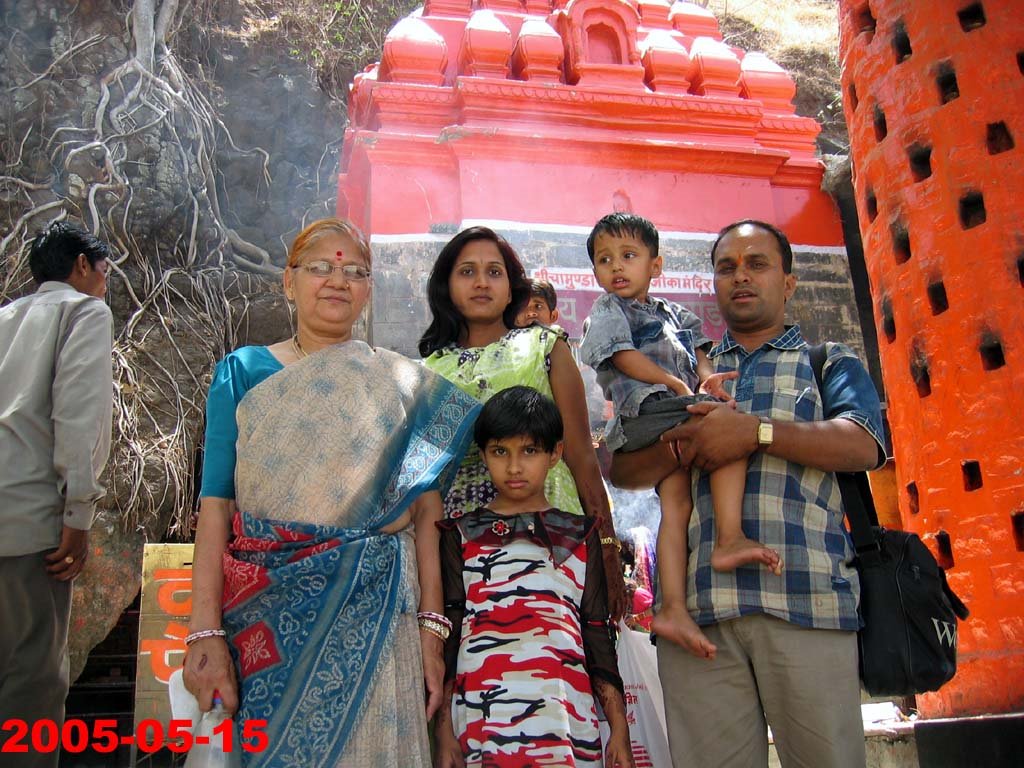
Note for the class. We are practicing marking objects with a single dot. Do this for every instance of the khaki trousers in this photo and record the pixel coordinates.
(802, 682)
(34, 614)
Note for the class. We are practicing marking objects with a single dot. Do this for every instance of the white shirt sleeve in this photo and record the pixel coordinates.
(83, 409)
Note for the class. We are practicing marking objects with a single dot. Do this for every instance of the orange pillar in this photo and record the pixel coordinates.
(934, 98)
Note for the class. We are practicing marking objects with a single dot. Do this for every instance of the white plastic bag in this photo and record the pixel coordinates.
(183, 704)
(645, 708)
(207, 750)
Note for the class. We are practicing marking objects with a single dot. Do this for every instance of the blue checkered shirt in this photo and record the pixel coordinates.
(667, 333)
(794, 509)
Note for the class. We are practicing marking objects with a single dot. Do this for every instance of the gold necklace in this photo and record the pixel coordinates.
(297, 348)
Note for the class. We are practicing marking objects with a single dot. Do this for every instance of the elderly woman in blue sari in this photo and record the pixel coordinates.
(316, 567)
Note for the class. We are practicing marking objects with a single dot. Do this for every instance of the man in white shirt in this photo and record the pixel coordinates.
(56, 398)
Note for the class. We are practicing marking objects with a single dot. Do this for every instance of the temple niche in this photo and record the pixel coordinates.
(538, 117)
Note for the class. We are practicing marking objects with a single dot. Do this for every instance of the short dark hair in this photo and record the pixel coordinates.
(519, 411)
(620, 224)
(56, 248)
(446, 323)
(546, 291)
(780, 237)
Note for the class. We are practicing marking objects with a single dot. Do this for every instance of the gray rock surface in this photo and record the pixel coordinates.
(142, 182)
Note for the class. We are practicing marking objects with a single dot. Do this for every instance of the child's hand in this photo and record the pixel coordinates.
(715, 384)
(617, 753)
(679, 387)
(449, 753)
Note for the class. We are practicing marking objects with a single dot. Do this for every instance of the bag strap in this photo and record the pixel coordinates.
(853, 486)
(957, 604)
(860, 506)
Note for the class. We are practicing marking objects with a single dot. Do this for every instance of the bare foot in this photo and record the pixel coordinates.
(729, 556)
(677, 626)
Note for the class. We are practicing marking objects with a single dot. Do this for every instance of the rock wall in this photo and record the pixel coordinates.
(197, 171)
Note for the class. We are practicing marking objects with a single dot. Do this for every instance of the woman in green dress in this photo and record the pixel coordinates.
(475, 290)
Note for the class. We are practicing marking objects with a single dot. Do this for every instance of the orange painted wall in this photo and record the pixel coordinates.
(934, 97)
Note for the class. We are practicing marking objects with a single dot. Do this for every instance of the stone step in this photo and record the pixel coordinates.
(987, 741)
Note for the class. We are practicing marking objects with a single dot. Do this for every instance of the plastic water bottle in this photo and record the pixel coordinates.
(209, 749)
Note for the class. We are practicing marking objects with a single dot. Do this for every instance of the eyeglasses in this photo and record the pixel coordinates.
(354, 272)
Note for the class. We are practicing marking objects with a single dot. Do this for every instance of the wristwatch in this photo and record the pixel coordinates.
(765, 433)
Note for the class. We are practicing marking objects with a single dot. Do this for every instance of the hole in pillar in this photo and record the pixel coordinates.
(900, 242)
(972, 210)
(854, 101)
(945, 545)
(1020, 62)
(945, 78)
(1017, 521)
(971, 17)
(972, 475)
(919, 371)
(901, 42)
(1020, 270)
(920, 161)
(998, 138)
(914, 498)
(888, 321)
(937, 297)
(881, 129)
(864, 21)
(603, 45)
(991, 350)
(871, 204)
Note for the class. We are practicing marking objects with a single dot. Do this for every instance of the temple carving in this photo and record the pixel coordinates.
(485, 110)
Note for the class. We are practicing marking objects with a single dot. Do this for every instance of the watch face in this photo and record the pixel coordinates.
(764, 434)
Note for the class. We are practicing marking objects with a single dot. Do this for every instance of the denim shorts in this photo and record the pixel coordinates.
(658, 414)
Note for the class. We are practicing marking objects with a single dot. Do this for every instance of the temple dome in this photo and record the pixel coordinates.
(414, 53)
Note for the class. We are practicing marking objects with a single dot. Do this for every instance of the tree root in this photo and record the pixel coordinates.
(159, 386)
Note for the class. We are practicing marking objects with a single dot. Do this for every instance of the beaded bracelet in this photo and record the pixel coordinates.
(611, 541)
(440, 618)
(436, 628)
(204, 633)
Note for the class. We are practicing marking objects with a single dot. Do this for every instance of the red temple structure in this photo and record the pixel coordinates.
(556, 112)
(537, 117)
(934, 97)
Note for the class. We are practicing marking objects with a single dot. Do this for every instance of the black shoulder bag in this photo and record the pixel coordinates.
(908, 642)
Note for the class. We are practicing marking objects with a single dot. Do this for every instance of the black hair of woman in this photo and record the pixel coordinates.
(446, 323)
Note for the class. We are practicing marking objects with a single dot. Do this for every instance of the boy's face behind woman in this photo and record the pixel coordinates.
(536, 311)
(519, 466)
(623, 265)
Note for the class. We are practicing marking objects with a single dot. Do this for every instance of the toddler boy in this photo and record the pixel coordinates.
(649, 356)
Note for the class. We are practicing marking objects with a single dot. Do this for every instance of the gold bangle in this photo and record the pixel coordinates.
(611, 541)
(434, 632)
(435, 628)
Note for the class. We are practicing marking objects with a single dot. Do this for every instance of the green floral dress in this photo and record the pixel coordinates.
(521, 356)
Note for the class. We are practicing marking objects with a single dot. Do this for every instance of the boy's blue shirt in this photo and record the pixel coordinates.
(666, 333)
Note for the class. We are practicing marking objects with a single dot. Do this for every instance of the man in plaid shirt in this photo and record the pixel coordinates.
(786, 645)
